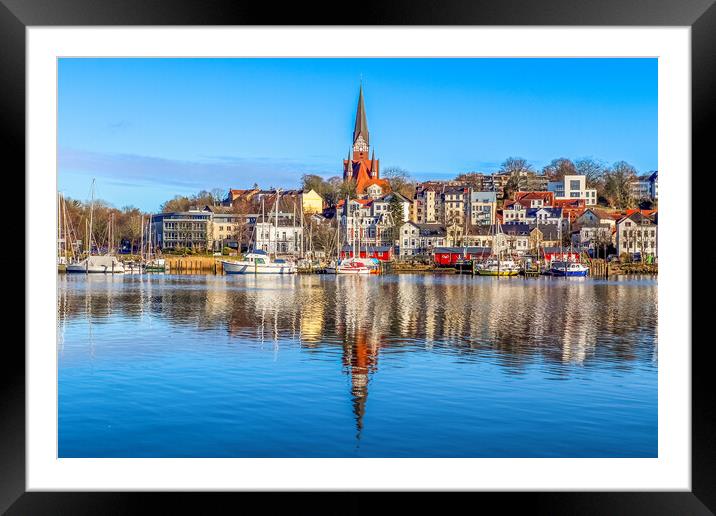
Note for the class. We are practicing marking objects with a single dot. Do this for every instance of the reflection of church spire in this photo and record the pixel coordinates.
(360, 359)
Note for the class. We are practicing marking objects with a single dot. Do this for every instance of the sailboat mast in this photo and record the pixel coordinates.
(275, 252)
(141, 238)
(89, 240)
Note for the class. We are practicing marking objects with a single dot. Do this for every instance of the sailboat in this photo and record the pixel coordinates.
(354, 264)
(107, 263)
(258, 261)
(498, 264)
(152, 263)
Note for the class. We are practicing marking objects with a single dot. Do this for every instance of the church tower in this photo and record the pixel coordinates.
(361, 166)
(361, 138)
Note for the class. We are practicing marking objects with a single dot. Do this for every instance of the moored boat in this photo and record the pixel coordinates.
(497, 267)
(568, 269)
(258, 262)
(352, 266)
(107, 264)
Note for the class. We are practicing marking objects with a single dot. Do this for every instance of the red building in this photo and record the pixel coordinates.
(359, 167)
(555, 253)
(448, 256)
(382, 253)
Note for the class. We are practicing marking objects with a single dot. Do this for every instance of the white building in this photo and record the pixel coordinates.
(417, 238)
(637, 233)
(282, 239)
(573, 187)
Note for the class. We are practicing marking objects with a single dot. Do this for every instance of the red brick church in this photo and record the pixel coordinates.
(359, 167)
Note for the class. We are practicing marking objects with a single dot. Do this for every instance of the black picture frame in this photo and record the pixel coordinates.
(16, 15)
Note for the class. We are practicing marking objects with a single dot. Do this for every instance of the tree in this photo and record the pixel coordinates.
(347, 189)
(332, 187)
(400, 181)
(512, 186)
(515, 167)
(219, 194)
(178, 203)
(618, 185)
(313, 182)
(395, 208)
(558, 168)
(203, 198)
(593, 170)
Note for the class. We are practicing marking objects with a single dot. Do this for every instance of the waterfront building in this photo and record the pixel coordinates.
(517, 237)
(420, 239)
(384, 253)
(448, 256)
(636, 234)
(230, 229)
(593, 237)
(284, 238)
(573, 187)
(543, 235)
(360, 166)
(186, 229)
(368, 221)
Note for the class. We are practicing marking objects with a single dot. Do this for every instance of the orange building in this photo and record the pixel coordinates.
(359, 167)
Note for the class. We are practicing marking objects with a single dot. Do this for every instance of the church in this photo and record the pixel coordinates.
(359, 167)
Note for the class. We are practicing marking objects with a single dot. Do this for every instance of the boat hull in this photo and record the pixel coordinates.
(77, 268)
(97, 265)
(353, 270)
(484, 272)
(569, 274)
(253, 268)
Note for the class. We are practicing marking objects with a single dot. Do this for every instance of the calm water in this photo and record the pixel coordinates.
(325, 366)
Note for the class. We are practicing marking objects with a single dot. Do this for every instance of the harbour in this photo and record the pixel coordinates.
(411, 364)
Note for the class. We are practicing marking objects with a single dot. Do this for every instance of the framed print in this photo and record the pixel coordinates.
(273, 253)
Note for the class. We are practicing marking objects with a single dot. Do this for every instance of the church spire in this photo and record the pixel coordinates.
(361, 127)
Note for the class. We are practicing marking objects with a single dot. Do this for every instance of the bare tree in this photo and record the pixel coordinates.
(219, 194)
(400, 181)
(593, 170)
(558, 168)
(618, 185)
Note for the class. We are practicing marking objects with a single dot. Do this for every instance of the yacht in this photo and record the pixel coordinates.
(258, 262)
(105, 264)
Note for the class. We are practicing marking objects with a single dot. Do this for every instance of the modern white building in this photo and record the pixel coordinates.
(573, 187)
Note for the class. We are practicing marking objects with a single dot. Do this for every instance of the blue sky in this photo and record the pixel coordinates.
(148, 129)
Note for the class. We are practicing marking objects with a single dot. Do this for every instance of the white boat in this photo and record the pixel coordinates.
(352, 266)
(499, 263)
(107, 264)
(258, 262)
(496, 267)
(568, 269)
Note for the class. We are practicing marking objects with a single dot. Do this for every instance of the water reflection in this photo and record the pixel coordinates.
(558, 322)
